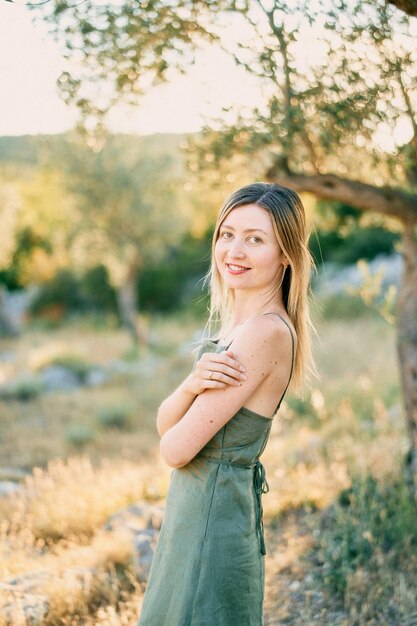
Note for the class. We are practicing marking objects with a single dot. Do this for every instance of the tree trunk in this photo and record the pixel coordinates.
(127, 305)
(407, 342)
(7, 326)
(402, 206)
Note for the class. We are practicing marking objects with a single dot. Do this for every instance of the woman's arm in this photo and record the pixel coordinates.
(259, 344)
(212, 371)
(174, 407)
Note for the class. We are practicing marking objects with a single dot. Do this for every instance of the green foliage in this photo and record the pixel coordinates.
(118, 416)
(131, 206)
(362, 404)
(79, 435)
(122, 44)
(61, 289)
(304, 409)
(343, 306)
(341, 238)
(391, 394)
(96, 291)
(164, 286)
(90, 293)
(374, 296)
(132, 354)
(168, 285)
(327, 112)
(26, 243)
(370, 519)
(9, 277)
(364, 243)
(24, 389)
(26, 150)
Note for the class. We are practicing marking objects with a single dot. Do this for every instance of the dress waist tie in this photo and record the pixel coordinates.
(260, 485)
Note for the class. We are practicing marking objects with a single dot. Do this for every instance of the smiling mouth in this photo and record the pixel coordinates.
(237, 268)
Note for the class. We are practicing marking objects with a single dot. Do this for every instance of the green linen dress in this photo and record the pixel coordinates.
(208, 567)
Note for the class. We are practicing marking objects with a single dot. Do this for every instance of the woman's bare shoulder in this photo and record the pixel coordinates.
(284, 323)
(264, 333)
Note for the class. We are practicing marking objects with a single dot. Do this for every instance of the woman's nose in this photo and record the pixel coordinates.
(236, 249)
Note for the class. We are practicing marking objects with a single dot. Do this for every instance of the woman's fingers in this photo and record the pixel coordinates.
(214, 384)
(222, 367)
(224, 363)
(225, 372)
(219, 376)
(230, 360)
(231, 366)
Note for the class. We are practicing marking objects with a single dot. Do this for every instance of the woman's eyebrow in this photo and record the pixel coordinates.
(248, 230)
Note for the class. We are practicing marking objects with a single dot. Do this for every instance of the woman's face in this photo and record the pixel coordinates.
(247, 253)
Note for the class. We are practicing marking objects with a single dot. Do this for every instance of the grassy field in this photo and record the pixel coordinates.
(340, 526)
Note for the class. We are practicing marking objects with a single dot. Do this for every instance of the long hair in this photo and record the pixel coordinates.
(289, 223)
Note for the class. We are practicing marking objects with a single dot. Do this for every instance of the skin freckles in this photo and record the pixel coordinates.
(214, 407)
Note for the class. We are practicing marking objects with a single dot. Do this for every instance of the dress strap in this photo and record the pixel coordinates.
(216, 341)
(292, 357)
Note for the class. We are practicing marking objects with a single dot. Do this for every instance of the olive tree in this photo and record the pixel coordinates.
(318, 125)
(129, 211)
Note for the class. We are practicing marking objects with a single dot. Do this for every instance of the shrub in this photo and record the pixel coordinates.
(78, 366)
(119, 417)
(62, 291)
(343, 306)
(23, 389)
(369, 519)
(66, 292)
(79, 435)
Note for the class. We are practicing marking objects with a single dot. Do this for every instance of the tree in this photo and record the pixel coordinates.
(319, 126)
(320, 129)
(129, 212)
(118, 50)
(408, 6)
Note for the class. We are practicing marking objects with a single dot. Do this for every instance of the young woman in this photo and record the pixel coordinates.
(208, 567)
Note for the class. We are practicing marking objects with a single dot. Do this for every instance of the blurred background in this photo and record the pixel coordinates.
(123, 126)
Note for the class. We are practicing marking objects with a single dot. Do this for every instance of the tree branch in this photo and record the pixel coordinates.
(408, 6)
(383, 200)
(398, 71)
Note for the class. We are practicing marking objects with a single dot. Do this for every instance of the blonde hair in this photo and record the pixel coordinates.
(289, 223)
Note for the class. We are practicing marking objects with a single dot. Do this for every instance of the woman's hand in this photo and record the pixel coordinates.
(215, 370)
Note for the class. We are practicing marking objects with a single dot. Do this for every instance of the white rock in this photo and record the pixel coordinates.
(8, 488)
(29, 610)
(144, 544)
(96, 376)
(13, 473)
(58, 377)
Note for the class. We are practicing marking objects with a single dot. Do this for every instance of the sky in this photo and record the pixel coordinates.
(30, 103)
(31, 62)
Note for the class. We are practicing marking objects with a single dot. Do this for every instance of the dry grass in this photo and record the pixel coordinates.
(64, 507)
(350, 423)
(49, 417)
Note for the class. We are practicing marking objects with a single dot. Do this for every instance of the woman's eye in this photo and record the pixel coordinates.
(256, 239)
(225, 234)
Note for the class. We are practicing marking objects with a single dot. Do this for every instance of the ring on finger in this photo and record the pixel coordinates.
(211, 375)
